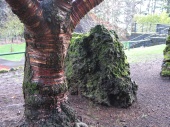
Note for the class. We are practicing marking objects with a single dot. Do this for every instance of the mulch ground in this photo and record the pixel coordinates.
(152, 108)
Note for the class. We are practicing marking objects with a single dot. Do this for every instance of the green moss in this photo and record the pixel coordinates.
(168, 40)
(165, 72)
(3, 71)
(31, 88)
(77, 36)
(167, 56)
(167, 64)
(167, 48)
(98, 66)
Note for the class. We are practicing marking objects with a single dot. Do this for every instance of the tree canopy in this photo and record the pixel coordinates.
(153, 18)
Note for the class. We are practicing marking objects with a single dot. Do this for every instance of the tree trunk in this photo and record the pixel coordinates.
(168, 6)
(48, 28)
(45, 89)
(154, 7)
(44, 84)
(148, 7)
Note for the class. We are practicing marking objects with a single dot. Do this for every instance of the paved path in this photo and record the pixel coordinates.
(7, 65)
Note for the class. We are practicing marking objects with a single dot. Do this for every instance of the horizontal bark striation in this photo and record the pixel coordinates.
(45, 89)
(81, 8)
(48, 27)
(47, 62)
(47, 52)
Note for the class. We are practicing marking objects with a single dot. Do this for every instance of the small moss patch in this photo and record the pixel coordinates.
(3, 71)
(168, 40)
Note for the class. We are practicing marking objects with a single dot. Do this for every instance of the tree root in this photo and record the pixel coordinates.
(65, 118)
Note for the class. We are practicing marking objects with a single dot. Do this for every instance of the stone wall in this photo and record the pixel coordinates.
(148, 42)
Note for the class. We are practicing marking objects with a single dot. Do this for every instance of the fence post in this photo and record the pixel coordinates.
(135, 27)
(142, 28)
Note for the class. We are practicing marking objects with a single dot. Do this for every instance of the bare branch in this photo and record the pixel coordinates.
(30, 13)
(81, 8)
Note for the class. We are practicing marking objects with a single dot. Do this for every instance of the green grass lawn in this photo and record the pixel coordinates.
(8, 48)
(142, 54)
(134, 55)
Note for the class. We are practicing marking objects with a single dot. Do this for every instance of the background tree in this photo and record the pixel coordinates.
(12, 27)
(119, 13)
(48, 27)
(167, 6)
(129, 12)
(3, 12)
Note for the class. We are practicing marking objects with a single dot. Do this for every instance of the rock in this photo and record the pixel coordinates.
(97, 68)
(12, 69)
(122, 121)
(165, 72)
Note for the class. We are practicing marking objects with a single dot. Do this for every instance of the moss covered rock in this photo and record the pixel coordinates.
(166, 62)
(168, 40)
(96, 67)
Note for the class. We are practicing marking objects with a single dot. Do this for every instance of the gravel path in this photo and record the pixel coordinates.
(153, 94)
(151, 110)
(11, 64)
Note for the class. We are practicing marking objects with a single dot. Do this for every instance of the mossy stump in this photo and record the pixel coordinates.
(165, 72)
(97, 68)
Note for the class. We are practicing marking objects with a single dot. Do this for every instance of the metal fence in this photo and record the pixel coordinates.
(11, 53)
(11, 40)
(150, 28)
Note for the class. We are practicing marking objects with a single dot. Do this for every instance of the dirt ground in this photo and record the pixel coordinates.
(152, 108)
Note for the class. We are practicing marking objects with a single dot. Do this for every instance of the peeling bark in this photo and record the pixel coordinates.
(45, 88)
(48, 28)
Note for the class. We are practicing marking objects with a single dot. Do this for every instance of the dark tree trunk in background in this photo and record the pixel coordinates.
(148, 7)
(3, 12)
(168, 6)
(154, 7)
(48, 28)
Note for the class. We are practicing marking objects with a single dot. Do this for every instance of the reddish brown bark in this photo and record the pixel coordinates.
(81, 8)
(48, 28)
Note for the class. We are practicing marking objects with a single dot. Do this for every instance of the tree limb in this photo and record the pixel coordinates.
(81, 8)
(30, 13)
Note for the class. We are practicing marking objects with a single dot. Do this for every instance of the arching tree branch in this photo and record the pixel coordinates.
(30, 13)
(81, 8)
